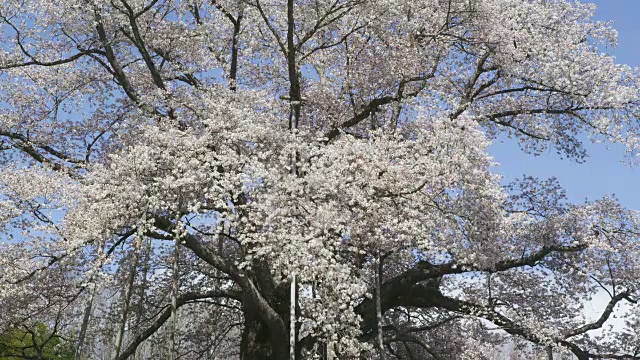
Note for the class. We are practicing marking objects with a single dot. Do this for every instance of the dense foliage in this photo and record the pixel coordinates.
(169, 165)
(38, 342)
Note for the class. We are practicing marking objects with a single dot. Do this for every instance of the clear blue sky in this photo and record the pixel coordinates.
(604, 172)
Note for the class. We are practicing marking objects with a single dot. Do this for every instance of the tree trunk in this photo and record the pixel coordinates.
(233, 72)
(127, 296)
(255, 340)
(85, 324)
(142, 293)
(549, 353)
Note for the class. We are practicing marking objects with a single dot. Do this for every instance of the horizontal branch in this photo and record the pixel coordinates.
(67, 60)
(396, 287)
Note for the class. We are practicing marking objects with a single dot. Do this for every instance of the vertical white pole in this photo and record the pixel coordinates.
(330, 353)
(292, 319)
(378, 274)
(175, 287)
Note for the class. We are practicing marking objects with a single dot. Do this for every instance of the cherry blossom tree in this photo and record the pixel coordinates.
(167, 165)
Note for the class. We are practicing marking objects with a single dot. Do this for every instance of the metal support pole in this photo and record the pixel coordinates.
(292, 319)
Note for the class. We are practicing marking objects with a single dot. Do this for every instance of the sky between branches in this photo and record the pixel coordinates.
(604, 172)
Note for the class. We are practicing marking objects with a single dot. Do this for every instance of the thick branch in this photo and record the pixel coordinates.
(394, 288)
(251, 297)
(601, 320)
(139, 43)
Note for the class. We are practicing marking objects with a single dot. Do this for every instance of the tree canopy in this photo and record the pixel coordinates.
(168, 167)
(36, 342)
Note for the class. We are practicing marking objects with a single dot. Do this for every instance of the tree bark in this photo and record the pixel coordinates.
(85, 324)
(142, 291)
(127, 296)
(233, 71)
(255, 343)
(549, 353)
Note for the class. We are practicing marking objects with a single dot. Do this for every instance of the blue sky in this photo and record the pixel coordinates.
(604, 172)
